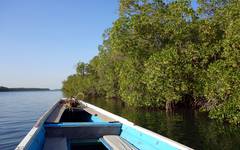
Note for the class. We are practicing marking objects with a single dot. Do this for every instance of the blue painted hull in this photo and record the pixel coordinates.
(137, 137)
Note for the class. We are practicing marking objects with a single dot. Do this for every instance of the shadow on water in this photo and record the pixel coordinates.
(189, 127)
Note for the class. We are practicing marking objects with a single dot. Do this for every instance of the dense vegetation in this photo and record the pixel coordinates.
(162, 54)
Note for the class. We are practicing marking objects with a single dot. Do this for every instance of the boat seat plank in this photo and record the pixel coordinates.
(58, 143)
(118, 143)
(100, 115)
(83, 130)
(55, 116)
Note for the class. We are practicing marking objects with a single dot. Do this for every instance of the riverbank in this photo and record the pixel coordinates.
(166, 54)
(6, 89)
(187, 126)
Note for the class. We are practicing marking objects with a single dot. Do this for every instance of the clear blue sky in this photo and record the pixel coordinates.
(41, 41)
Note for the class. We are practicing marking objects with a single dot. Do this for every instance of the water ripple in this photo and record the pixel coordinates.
(19, 112)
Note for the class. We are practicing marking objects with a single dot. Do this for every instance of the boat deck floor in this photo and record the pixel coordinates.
(55, 143)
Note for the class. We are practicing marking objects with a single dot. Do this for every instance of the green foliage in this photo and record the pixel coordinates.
(222, 90)
(223, 84)
(131, 86)
(164, 77)
(163, 53)
(73, 86)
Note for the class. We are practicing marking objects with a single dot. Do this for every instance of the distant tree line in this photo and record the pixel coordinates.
(162, 54)
(5, 89)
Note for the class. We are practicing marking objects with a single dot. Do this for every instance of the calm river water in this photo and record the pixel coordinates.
(20, 110)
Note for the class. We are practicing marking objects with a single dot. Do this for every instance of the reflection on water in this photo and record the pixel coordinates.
(188, 127)
(20, 110)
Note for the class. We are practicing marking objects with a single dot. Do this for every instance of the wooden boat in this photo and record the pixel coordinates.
(86, 127)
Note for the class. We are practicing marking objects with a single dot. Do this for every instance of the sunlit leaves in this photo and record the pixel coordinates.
(164, 52)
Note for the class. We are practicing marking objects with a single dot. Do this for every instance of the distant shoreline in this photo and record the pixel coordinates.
(6, 89)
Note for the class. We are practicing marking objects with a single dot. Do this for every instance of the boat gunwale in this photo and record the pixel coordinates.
(141, 129)
(36, 127)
